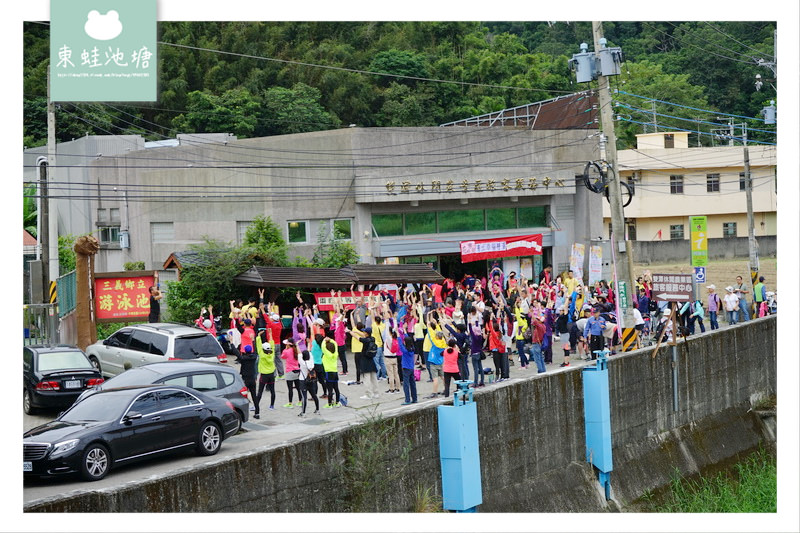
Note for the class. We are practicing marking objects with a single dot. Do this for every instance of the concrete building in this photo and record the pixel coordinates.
(673, 182)
(401, 195)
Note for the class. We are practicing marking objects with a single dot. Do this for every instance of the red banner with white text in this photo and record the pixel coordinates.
(348, 299)
(503, 247)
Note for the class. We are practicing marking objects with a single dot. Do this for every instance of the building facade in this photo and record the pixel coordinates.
(673, 182)
(400, 195)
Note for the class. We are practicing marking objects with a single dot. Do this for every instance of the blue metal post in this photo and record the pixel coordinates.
(597, 412)
(458, 452)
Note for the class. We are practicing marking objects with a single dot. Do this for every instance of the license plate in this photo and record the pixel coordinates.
(27, 466)
(72, 384)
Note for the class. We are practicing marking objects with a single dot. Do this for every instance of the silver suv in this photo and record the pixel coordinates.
(152, 343)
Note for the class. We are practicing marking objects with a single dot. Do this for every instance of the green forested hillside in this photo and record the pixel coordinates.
(267, 78)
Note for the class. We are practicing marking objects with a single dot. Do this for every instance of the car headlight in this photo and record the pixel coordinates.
(64, 447)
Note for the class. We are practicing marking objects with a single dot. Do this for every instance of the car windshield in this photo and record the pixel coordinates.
(194, 346)
(133, 376)
(49, 361)
(101, 407)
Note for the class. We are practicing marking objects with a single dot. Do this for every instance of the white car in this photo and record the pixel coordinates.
(141, 344)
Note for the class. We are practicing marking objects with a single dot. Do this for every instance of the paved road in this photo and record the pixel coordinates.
(275, 427)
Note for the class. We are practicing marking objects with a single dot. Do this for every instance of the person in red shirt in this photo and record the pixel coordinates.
(498, 349)
(248, 336)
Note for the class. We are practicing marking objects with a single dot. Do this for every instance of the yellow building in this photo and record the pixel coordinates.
(673, 181)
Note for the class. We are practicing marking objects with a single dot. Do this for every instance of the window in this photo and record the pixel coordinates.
(205, 382)
(712, 182)
(183, 381)
(632, 183)
(241, 230)
(162, 232)
(102, 215)
(174, 399)
(388, 225)
(158, 344)
(669, 140)
(109, 234)
(676, 232)
(501, 218)
(417, 223)
(120, 338)
(227, 379)
(742, 181)
(297, 231)
(114, 215)
(342, 229)
(145, 404)
(676, 184)
(140, 341)
(193, 346)
(532, 217)
(729, 229)
(466, 220)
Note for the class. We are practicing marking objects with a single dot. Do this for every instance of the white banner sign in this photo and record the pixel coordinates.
(576, 260)
(595, 264)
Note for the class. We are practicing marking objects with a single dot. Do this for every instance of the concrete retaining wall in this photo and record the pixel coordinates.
(531, 440)
(718, 249)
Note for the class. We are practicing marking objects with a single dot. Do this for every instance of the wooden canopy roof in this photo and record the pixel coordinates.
(337, 278)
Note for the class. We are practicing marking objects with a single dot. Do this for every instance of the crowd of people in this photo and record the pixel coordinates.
(472, 329)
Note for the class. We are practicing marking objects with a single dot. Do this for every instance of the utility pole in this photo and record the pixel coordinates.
(620, 247)
(52, 230)
(748, 188)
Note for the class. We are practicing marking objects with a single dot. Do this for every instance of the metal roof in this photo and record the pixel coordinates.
(572, 111)
(375, 274)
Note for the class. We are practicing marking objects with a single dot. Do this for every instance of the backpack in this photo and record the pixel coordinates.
(312, 375)
(652, 306)
(527, 335)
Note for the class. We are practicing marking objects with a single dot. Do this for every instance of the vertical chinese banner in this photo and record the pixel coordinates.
(576, 260)
(122, 296)
(595, 264)
(699, 240)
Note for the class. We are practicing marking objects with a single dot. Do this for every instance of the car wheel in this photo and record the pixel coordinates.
(210, 439)
(96, 462)
(27, 402)
(95, 363)
(239, 421)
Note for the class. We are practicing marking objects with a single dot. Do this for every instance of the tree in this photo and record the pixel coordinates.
(332, 250)
(264, 238)
(235, 111)
(29, 212)
(208, 281)
(295, 110)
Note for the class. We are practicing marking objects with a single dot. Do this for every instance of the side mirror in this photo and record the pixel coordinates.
(131, 416)
(105, 342)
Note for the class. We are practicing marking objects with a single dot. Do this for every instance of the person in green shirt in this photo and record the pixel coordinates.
(266, 370)
(330, 358)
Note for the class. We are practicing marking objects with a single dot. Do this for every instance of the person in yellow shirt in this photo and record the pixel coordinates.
(378, 327)
(356, 346)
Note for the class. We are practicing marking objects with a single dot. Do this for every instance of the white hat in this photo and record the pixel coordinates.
(729, 288)
(320, 321)
(712, 286)
(206, 323)
(275, 316)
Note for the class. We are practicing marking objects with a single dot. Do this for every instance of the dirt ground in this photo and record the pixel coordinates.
(719, 273)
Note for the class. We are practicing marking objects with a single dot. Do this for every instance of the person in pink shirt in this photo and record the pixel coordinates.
(338, 326)
(248, 336)
(450, 365)
(290, 355)
(207, 324)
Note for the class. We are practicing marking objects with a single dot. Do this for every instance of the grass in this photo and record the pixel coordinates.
(750, 488)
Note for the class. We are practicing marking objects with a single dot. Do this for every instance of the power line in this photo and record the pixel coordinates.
(694, 131)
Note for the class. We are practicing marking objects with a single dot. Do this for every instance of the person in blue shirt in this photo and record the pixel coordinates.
(593, 332)
(407, 361)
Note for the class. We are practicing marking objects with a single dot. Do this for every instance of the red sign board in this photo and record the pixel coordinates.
(672, 287)
(120, 297)
(325, 302)
(504, 247)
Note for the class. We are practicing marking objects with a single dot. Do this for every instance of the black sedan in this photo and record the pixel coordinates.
(54, 376)
(122, 425)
